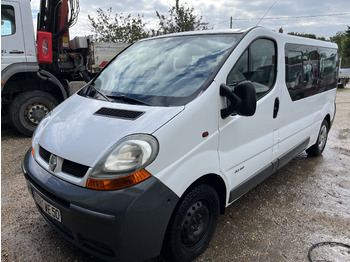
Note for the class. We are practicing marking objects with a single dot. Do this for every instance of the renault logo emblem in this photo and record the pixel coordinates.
(52, 163)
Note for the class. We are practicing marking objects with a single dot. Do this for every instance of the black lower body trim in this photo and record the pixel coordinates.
(267, 171)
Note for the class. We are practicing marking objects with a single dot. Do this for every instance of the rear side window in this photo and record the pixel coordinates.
(8, 25)
(310, 70)
(258, 65)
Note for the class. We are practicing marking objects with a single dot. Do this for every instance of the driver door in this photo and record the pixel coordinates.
(247, 143)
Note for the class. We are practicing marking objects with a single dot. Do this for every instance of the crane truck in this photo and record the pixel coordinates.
(38, 74)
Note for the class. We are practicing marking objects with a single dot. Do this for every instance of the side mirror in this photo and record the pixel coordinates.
(242, 99)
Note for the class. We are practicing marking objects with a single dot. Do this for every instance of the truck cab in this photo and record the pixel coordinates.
(28, 93)
(18, 50)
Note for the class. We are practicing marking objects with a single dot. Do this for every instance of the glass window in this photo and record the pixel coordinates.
(165, 71)
(310, 70)
(8, 26)
(258, 65)
(328, 69)
(294, 69)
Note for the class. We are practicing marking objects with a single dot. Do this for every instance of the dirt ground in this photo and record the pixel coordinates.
(306, 202)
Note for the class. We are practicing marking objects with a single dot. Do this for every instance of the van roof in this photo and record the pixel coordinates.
(286, 38)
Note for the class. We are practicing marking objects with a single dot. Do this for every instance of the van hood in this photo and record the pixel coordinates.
(82, 129)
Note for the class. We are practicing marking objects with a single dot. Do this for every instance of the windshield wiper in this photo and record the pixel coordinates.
(100, 93)
(128, 99)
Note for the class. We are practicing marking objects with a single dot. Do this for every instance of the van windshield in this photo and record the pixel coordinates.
(166, 71)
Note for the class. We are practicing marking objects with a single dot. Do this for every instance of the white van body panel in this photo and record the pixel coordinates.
(184, 154)
(296, 124)
(77, 134)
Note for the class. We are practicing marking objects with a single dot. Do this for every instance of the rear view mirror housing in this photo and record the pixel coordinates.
(242, 99)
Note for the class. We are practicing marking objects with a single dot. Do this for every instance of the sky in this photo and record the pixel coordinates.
(324, 18)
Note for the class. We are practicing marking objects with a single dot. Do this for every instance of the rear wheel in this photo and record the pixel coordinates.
(28, 109)
(193, 224)
(318, 147)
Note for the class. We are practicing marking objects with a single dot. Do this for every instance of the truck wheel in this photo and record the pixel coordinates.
(28, 109)
(318, 147)
(193, 224)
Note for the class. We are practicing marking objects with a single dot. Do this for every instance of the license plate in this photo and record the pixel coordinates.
(47, 207)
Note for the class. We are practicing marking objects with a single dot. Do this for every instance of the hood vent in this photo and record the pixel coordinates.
(119, 113)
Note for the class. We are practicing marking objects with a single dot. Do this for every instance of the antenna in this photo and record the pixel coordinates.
(266, 13)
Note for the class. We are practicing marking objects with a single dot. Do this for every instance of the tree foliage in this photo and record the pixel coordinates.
(127, 29)
(342, 39)
(312, 36)
(181, 19)
(120, 28)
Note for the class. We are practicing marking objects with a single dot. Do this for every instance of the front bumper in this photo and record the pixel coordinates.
(122, 225)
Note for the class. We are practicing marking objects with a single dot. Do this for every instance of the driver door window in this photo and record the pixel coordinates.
(258, 65)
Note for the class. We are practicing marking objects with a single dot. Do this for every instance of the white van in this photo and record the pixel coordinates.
(145, 157)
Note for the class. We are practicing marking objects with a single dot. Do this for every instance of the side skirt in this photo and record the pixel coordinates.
(267, 171)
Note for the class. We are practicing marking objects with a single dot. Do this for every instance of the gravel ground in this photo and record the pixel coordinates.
(306, 202)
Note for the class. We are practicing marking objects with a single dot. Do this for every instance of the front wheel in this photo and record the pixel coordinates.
(318, 147)
(28, 109)
(193, 224)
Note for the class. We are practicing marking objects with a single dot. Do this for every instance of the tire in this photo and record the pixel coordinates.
(193, 224)
(28, 109)
(318, 147)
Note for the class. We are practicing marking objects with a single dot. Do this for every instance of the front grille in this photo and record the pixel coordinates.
(74, 169)
(119, 113)
(68, 167)
(44, 154)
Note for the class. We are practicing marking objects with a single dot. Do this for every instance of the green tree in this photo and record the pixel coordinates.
(346, 44)
(120, 28)
(312, 36)
(181, 19)
(342, 39)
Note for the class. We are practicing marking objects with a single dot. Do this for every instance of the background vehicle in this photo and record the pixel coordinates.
(36, 78)
(344, 77)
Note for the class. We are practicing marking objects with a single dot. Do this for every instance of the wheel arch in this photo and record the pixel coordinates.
(212, 180)
(328, 119)
(216, 182)
(30, 81)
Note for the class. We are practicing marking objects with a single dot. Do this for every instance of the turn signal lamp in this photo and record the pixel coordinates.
(118, 183)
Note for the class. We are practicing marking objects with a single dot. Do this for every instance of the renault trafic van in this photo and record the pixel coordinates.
(144, 158)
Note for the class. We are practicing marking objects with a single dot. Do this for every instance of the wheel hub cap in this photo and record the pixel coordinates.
(322, 138)
(36, 112)
(195, 224)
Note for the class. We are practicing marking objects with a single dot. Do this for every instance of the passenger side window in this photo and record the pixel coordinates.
(294, 69)
(328, 69)
(310, 70)
(258, 65)
(8, 25)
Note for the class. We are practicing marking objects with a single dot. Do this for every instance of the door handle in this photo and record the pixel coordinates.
(16, 52)
(276, 107)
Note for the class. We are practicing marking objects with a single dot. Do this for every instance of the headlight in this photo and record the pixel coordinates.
(124, 163)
